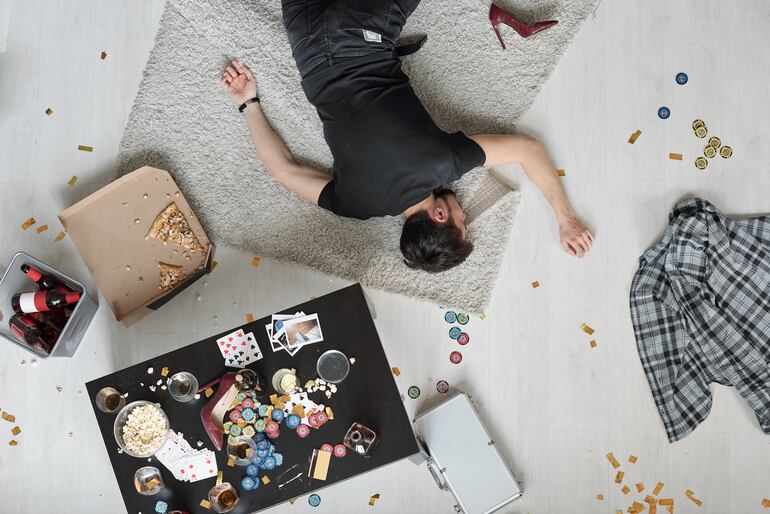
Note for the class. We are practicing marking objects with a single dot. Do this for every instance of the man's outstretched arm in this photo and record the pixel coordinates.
(575, 238)
(307, 182)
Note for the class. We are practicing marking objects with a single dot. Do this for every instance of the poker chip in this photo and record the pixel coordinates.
(681, 78)
(455, 357)
(273, 435)
(248, 414)
(697, 124)
(277, 415)
(227, 426)
(161, 507)
(303, 430)
(340, 450)
(701, 132)
(454, 332)
(259, 425)
(463, 339)
(252, 470)
(413, 392)
(263, 445)
(249, 484)
(463, 318)
(240, 397)
(271, 450)
(269, 463)
(293, 421)
(278, 458)
(235, 415)
(249, 431)
(247, 403)
(701, 163)
(312, 420)
(715, 142)
(263, 410)
(664, 113)
(258, 437)
(257, 460)
(327, 447)
(272, 426)
(321, 418)
(450, 316)
(726, 152)
(262, 454)
(442, 386)
(710, 152)
(235, 430)
(314, 500)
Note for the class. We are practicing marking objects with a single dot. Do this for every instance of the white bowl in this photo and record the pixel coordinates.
(120, 422)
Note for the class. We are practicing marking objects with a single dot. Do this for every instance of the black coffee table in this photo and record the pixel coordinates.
(368, 395)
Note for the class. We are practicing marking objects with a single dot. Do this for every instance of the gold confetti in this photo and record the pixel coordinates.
(766, 503)
(691, 496)
(396, 371)
(292, 501)
(482, 316)
(592, 342)
(103, 56)
(205, 504)
(16, 430)
(619, 477)
(28, 223)
(585, 328)
(613, 460)
(213, 265)
(639, 487)
(219, 477)
(10, 418)
(208, 392)
(49, 112)
(255, 262)
(265, 480)
(231, 461)
(164, 371)
(330, 412)
(249, 318)
(12, 442)
(561, 173)
(535, 284)
(658, 488)
(72, 181)
(600, 497)
(625, 489)
(373, 498)
(675, 156)
(636, 508)
(84, 148)
(634, 137)
(653, 504)
(632, 459)
(666, 501)
(41, 229)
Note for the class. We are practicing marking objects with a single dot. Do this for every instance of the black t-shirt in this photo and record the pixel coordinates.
(388, 153)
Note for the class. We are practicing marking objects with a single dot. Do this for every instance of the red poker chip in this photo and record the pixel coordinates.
(442, 386)
(273, 435)
(312, 420)
(456, 357)
(303, 431)
(272, 426)
(464, 339)
(321, 418)
(235, 415)
(327, 447)
(340, 450)
(248, 403)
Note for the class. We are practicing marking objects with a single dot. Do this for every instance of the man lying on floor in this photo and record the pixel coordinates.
(390, 158)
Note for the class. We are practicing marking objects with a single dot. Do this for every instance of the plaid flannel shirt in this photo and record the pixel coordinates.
(700, 306)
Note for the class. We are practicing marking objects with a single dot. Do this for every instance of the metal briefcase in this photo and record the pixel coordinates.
(463, 458)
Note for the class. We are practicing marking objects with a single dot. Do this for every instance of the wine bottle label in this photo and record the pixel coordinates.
(33, 302)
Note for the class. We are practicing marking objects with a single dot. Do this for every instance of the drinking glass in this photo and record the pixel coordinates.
(223, 497)
(333, 366)
(284, 381)
(109, 400)
(182, 386)
(148, 480)
(242, 449)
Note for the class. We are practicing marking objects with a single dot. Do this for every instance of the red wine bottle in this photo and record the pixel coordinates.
(27, 331)
(41, 301)
(44, 281)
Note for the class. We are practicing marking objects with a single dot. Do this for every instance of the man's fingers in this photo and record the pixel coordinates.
(590, 235)
(568, 248)
(232, 72)
(587, 241)
(239, 66)
(579, 246)
(223, 82)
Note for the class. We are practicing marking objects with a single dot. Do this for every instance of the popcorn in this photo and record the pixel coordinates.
(145, 430)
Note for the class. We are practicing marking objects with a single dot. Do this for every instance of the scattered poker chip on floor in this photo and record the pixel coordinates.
(303, 431)
(726, 152)
(710, 152)
(442, 386)
(715, 142)
(681, 78)
(314, 500)
(340, 450)
(450, 316)
(701, 132)
(455, 357)
(664, 113)
(463, 339)
(697, 124)
(455, 332)
(701, 163)
(413, 392)
(463, 318)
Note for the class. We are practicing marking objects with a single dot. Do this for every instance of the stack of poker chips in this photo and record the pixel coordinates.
(714, 146)
(265, 458)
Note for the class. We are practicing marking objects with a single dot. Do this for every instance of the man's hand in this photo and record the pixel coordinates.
(575, 238)
(239, 83)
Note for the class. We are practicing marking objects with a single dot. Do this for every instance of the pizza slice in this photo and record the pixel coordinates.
(170, 276)
(171, 227)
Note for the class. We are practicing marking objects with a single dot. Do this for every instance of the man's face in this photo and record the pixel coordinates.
(447, 208)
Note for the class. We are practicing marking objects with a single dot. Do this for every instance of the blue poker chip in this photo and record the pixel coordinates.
(314, 500)
(450, 316)
(161, 507)
(247, 414)
(269, 463)
(258, 437)
(263, 445)
(293, 421)
(455, 332)
(277, 415)
(263, 410)
(278, 458)
(257, 460)
(664, 113)
(262, 453)
(252, 470)
(681, 78)
(271, 450)
(249, 483)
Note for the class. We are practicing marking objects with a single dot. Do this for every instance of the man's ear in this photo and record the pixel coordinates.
(439, 212)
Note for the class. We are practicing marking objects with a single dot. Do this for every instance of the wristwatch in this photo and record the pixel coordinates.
(248, 102)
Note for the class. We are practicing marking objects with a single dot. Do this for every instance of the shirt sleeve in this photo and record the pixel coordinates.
(467, 153)
(326, 199)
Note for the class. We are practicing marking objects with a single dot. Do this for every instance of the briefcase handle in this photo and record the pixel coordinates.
(440, 482)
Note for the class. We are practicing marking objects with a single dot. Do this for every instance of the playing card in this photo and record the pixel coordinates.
(198, 466)
(227, 344)
(245, 352)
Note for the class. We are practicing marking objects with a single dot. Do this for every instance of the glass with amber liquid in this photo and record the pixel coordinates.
(148, 480)
(109, 400)
(242, 449)
(223, 497)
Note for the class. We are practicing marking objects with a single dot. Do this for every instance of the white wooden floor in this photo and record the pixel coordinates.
(555, 406)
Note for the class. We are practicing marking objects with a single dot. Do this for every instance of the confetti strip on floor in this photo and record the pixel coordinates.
(592, 342)
(84, 148)
(675, 156)
(10, 418)
(639, 487)
(255, 262)
(72, 181)
(49, 112)
(600, 497)
(561, 173)
(625, 489)
(12, 442)
(666, 501)
(41, 229)
(691, 496)
(634, 137)
(16, 430)
(373, 498)
(249, 317)
(613, 460)
(28, 223)
(396, 371)
(632, 459)
(619, 477)
(766, 503)
(588, 330)
(658, 489)
(103, 56)
(59, 236)
(636, 508)
(205, 504)
(535, 284)
(213, 266)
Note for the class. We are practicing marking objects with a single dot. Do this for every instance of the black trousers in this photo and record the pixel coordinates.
(325, 31)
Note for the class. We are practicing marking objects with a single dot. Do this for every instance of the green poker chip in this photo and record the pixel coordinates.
(463, 318)
(413, 392)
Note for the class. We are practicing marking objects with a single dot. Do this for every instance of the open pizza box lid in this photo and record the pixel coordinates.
(109, 229)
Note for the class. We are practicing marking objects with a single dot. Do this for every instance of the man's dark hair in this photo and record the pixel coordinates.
(432, 246)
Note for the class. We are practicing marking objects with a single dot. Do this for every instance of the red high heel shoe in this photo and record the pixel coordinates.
(498, 16)
(213, 413)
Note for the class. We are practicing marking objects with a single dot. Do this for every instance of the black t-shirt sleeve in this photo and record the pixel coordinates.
(467, 153)
(326, 198)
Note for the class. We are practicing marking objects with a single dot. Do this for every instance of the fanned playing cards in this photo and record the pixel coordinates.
(184, 462)
(239, 348)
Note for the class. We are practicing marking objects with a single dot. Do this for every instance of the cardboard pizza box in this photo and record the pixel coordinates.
(109, 229)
